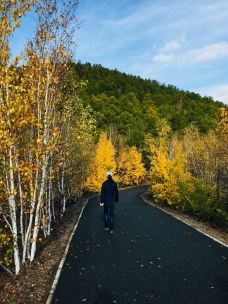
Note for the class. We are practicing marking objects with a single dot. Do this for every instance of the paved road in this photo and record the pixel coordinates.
(151, 258)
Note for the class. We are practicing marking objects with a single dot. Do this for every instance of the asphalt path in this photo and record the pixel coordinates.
(150, 258)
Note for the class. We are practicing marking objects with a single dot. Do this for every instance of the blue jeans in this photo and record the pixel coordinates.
(109, 215)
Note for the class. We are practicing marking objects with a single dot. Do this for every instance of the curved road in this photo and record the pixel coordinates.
(151, 258)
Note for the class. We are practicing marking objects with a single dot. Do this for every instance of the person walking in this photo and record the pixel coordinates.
(109, 196)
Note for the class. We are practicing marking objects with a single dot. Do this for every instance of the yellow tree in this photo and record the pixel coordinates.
(168, 173)
(13, 119)
(131, 170)
(78, 131)
(30, 126)
(168, 166)
(222, 155)
(103, 161)
(49, 52)
(222, 134)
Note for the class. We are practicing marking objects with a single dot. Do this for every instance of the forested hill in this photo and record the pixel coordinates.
(135, 106)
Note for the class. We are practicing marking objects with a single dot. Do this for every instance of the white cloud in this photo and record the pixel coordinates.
(209, 52)
(164, 54)
(163, 58)
(218, 92)
(171, 45)
(194, 55)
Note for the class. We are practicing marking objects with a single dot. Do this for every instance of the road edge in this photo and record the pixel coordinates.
(61, 264)
(186, 223)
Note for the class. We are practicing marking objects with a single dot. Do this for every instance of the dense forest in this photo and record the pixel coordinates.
(135, 106)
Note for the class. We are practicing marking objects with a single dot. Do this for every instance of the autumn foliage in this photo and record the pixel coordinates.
(127, 167)
(131, 170)
(190, 171)
(103, 161)
(36, 126)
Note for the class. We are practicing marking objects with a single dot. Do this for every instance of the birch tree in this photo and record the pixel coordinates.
(12, 118)
(30, 128)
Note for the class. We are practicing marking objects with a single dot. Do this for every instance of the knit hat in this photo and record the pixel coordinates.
(109, 173)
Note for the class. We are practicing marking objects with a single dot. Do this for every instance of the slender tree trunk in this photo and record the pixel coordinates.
(52, 204)
(26, 247)
(63, 189)
(12, 207)
(37, 215)
(49, 208)
(21, 201)
(44, 169)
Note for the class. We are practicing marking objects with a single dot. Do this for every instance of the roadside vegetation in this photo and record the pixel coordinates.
(63, 125)
(189, 171)
(41, 128)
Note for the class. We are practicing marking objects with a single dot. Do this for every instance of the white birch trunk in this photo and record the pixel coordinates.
(26, 247)
(62, 187)
(13, 215)
(63, 191)
(49, 209)
(44, 172)
(21, 201)
(52, 204)
(37, 215)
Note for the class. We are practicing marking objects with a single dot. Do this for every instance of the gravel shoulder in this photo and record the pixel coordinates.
(204, 227)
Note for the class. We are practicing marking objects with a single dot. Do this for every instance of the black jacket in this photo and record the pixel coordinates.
(109, 191)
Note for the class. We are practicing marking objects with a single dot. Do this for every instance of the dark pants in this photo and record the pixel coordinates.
(109, 215)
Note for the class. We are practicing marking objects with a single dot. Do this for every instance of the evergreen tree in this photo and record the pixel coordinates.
(134, 105)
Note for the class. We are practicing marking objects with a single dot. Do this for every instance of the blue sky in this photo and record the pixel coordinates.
(178, 42)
